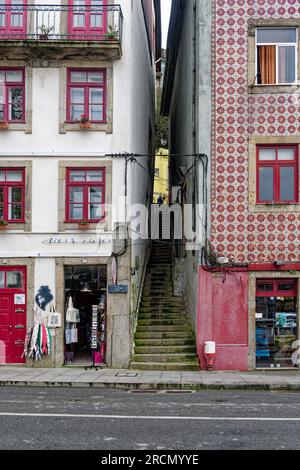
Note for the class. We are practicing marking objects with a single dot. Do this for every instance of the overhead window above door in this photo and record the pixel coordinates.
(13, 18)
(87, 19)
(276, 56)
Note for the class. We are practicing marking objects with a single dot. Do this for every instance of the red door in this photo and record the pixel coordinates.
(87, 19)
(12, 314)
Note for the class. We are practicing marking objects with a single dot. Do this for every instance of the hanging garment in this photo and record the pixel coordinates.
(34, 339)
(43, 343)
(27, 343)
(49, 345)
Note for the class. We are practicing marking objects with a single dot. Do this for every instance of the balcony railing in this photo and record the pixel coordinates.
(61, 23)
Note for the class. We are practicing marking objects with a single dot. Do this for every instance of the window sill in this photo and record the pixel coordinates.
(20, 227)
(272, 89)
(101, 226)
(13, 126)
(261, 207)
(72, 127)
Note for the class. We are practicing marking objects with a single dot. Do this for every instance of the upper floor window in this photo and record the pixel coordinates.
(276, 56)
(277, 174)
(86, 95)
(13, 18)
(87, 17)
(12, 95)
(85, 194)
(12, 195)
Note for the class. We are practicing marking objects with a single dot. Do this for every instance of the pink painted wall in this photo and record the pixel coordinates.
(223, 318)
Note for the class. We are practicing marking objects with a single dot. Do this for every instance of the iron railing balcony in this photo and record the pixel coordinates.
(45, 28)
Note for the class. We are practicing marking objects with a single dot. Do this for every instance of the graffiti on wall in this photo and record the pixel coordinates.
(43, 297)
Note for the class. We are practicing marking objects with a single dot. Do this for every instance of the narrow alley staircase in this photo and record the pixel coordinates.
(164, 339)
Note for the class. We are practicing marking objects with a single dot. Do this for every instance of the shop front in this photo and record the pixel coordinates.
(85, 314)
(276, 321)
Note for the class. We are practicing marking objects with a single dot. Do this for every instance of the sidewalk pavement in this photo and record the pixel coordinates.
(149, 380)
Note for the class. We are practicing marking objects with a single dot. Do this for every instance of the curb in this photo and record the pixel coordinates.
(154, 387)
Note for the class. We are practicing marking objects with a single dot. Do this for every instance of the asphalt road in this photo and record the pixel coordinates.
(39, 418)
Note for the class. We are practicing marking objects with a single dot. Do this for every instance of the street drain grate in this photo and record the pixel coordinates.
(126, 374)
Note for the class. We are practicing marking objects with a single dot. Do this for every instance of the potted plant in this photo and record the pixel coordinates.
(112, 33)
(3, 224)
(45, 31)
(83, 225)
(84, 122)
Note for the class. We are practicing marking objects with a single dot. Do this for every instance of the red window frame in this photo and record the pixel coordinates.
(276, 165)
(14, 290)
(87, 31)
(87, 86)
(276, 291)
(17, 184)
(85, 185)
(13, 32)
(6, 87)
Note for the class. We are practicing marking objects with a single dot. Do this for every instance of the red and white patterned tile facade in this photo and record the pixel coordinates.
(236, 231)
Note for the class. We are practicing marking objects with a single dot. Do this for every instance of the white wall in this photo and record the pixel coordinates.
(133, 113)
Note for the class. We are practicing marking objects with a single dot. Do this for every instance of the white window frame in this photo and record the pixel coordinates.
(277, 45)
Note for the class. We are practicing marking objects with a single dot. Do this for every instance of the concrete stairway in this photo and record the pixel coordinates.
(164, 339)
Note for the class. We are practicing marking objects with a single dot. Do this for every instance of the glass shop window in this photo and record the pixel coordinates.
(276, 324)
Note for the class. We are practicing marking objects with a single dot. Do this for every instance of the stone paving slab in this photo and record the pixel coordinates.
(148, 380)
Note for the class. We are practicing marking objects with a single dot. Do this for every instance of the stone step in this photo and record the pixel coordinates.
(161, 334)
(164, 358)
(156, 265)
(148, 342)
(161, 304)
(154, 276)
(160, 258)
(159, 269)
(159, 321)
(163, 328)
(157, 284)
(180, 366)
(146, 302)
(161, 350)
(161, 312)
(159, 275)
(166, 299)
(162, 316)
(161, 289)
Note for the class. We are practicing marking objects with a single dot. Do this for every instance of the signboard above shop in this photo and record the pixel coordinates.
(55, 245)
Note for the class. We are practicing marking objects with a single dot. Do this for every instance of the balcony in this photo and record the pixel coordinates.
(61, 32)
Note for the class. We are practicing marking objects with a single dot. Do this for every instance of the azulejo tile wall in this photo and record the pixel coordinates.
(238, 232)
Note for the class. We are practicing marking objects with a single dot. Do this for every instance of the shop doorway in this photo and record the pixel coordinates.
(12, 314)
(276, 323)
(86, 286)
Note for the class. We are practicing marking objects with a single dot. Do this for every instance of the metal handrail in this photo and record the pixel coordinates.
(52, 22)
(140, 289)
